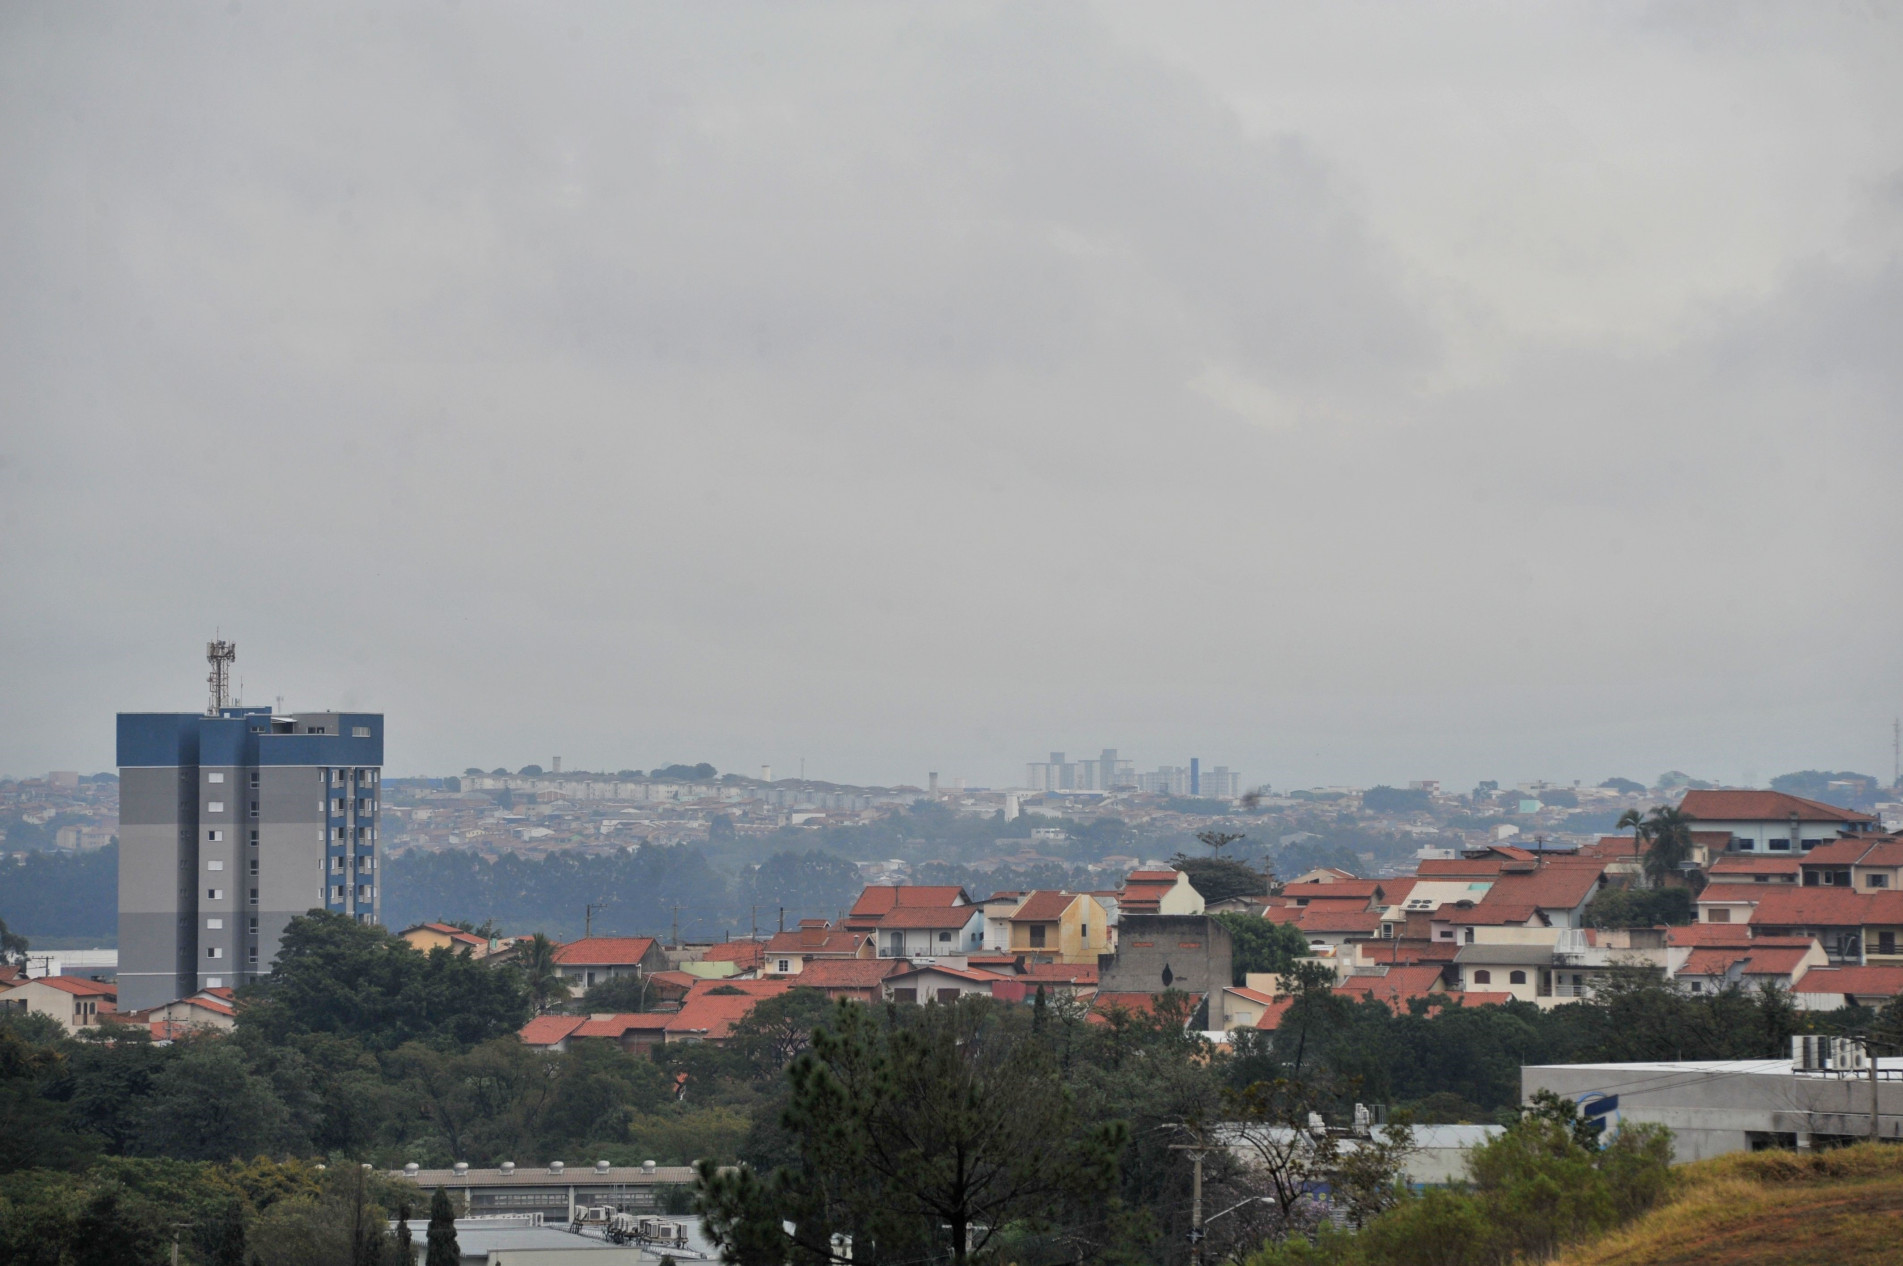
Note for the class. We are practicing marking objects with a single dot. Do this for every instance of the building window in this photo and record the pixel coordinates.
(254, 808)
(1780, 846)
(1483, 977)
(1697, 987)
(253, 929)
(1886, 942)
(215, 806)
(1469, 938)
(1876, 881)
(1516, 978)
(254, 865)
(214, 982)
(1037, 935)
(254, 896)
(215, 925)
(216, 951)
(254, 837)
(214, 865)
(1718, 915)
(945, 936)
(254, 780)
(359, 731)
(785, 965)
(214, 894)
(214, 837)
(214, 777)
(905, 995)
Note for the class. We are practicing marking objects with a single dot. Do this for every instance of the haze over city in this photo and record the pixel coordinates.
(1348, 394)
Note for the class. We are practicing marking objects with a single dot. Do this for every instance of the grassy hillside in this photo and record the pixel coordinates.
(1835, 1208)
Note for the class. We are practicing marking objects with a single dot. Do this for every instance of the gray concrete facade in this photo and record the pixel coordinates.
(1190, 952)
(1718, 1106)
(233, 825)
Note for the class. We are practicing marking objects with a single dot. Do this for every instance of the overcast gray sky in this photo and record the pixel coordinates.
(1340, 392)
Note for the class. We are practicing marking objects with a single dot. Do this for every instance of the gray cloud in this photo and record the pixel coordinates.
(910, 389)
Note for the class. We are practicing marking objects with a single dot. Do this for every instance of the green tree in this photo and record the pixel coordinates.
(208, 1105)
(1258, 945)
(1220, 878)
(1664, 835)
(922, 1131)
(336, 975)
(34, 1132)
(442, 1250)
(13, 947)
(228, 1246)
(547, 989)
(777, 1029)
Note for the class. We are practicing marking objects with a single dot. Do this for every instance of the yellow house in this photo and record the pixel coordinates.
(1060, 927)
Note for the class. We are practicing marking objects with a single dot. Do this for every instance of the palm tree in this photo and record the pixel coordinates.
(1641, 835)
(1671, 842)
(546, 985)
(1666, 833)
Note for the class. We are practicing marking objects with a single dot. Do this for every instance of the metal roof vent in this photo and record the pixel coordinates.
(647, 1167)
(508, 1167)
(412, 1169)
(554, 1167)
(462, 1168)
(601, 1167)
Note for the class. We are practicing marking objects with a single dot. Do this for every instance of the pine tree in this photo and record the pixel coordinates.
(442, 1232)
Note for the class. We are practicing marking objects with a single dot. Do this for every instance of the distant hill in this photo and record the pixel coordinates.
(1833, 1208)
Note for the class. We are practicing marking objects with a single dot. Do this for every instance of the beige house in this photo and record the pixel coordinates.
(77, 1003)
(1060, 927)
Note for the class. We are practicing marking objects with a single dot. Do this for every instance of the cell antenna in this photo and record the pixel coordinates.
(220, 655)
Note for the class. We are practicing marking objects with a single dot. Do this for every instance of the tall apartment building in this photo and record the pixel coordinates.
(231, 823)
(1220, 783)
(1057, 774)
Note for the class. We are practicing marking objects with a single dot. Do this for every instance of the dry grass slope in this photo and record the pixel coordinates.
(1836, 1208)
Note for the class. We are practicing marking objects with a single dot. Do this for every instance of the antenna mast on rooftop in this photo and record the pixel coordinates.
(220, 656)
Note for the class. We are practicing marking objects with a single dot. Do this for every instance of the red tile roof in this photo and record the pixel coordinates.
(1730, 804)
(1336, 890)
(846, 973)
(741, 953)
(929, 916)
(546, 1030)
(1557, 885)
(1044, 907)
(1863, 850)
(880, 899)
(831, 942)
(711, 1015)
(1152, 876)
(604, 951)
(1395, 987)
(1458, 868)
(1863, 981)
(1481, 998)
(1749, 864)
(78, 986)
(1060, 973)
(619, 1026)
(1783, 905)
(1324, 920)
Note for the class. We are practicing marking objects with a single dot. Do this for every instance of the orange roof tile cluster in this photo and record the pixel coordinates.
(604, 951)
(1730, 804)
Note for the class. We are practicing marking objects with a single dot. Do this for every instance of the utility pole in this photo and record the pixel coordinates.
(1870, 1057)
(782, 918)
(588, 919)
(677, 927)
(1196, 1151)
